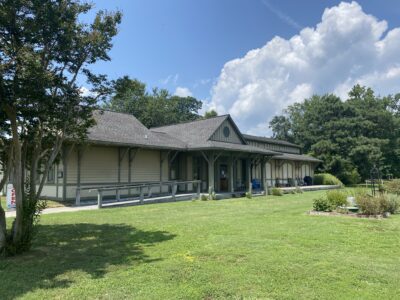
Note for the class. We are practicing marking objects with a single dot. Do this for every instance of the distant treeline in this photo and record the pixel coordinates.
(349, 136)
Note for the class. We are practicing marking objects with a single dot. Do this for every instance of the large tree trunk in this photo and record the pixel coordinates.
(3, 225)
(3, 232)
(18, 228)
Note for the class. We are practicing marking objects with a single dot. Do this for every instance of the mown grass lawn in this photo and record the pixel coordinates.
(265, 248)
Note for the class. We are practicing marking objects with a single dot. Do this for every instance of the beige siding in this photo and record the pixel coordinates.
(98, 165)
(72, 167)
(146, 166)
(233, 137)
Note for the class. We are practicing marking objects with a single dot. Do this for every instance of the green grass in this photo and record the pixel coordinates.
(50, 203)
(265, 247)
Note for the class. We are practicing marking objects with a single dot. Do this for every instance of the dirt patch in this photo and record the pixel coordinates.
(352, 215)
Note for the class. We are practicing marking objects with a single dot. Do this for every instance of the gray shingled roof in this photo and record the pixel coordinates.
(114, 128)
(125, 129)
(195, 133)
(299, 157)
(268, 140)
(215, 145)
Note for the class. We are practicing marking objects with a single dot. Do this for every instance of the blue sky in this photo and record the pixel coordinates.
(185, 44)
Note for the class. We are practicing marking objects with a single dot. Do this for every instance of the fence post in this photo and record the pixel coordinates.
(174, 191)
(198, 189)
(141, 195)
(78, 197)
(99, 198)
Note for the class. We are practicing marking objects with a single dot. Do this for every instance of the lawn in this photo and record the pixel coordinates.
(49, 203)
(266, 247)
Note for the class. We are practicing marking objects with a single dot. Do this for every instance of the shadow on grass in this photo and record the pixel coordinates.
(88, 248)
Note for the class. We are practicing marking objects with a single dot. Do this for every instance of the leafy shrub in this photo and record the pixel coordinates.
(322, 204)
(336, 198)
(326, 179)
(212, 196)
(203, 197)
(393, 186)
(369, 205)
(298, 190)
(292, 191)
(248, 195)
(393, 204)
(276, 192)
(350, 177)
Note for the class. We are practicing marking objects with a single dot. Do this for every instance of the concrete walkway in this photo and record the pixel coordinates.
(56, 210)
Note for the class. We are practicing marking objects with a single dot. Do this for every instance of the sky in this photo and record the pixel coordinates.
(252, 58)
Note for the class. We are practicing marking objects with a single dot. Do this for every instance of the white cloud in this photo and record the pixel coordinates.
(183, 92)
(347, 47)
(85, 92)
(281, 15)
(170, 79)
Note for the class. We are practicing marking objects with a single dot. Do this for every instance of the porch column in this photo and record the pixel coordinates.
(248, 174)
(231, 179)
(263, 185)
(211, 180)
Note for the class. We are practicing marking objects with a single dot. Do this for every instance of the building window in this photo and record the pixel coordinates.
(51, 175)
(226, 131)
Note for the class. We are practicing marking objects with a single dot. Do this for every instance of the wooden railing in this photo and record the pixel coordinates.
(142, 187)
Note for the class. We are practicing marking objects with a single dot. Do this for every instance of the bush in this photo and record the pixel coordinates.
(393, 186)
(393, 204)
(276, 192)
(248, 195)
(326, 179)
(369, 205)
(203, 197)
(350, 177)
(322, 204)
(298, 190)
(336, 198)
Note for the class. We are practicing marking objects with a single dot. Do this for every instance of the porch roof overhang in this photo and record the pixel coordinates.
(221, 146)
(297, 157)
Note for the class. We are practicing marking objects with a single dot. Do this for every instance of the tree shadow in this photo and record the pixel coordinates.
(89, 248)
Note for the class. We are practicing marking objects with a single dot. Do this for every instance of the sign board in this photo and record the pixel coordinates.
(10, 196)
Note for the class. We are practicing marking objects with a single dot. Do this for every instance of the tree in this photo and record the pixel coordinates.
(210, 114)
(44, 48)
(153, 109)
(349, 136)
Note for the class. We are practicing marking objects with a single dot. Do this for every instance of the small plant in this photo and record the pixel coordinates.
(322, 204)
(248, 195)
(326, 179)
(203, 197)
(298, 190)
(292, 191)
(212, 196)
(393, 203)
(336, 198)
(393, 186)
(369, 205)
(276, 192)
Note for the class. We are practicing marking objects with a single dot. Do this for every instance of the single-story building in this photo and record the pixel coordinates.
(121, 150)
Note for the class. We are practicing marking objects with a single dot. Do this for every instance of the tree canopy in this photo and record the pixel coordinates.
(44, 47)
(349, 136)
(155, 108)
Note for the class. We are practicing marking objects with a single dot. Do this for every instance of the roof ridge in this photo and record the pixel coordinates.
(272, 139)
(117, 112)
(193, 121)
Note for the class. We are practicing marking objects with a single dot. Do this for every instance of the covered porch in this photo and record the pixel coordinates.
(222, 172)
